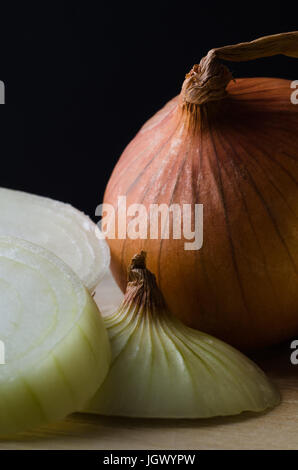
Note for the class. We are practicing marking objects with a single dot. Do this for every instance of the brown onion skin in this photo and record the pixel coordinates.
(238, 157)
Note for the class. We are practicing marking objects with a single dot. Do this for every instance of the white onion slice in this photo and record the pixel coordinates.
(56, 347)
(58, 227)
(108, 295)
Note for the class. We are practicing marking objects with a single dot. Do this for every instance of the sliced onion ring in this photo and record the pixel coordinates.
(58, 227)
(56, 347)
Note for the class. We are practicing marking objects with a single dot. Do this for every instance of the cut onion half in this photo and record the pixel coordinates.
(56, 347)
(58, 227)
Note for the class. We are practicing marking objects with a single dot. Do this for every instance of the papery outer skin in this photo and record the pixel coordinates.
(162, 369)
(61, 380)
(239, 158)
(58, 227)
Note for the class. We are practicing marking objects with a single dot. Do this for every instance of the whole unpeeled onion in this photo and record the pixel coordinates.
(231, 145)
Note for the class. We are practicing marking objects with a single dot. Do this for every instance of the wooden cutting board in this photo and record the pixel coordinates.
(277, 429)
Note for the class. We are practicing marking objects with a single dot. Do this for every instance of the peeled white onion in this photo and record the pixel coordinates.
(163, 369)
(57, 351)
(58, 227)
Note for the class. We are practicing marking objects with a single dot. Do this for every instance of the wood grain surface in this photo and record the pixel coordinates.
(276, 429)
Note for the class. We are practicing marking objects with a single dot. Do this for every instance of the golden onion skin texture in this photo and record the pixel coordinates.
(239, 158)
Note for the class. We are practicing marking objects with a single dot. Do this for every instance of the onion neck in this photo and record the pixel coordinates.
(142, 292)
(208, 80)
(205, 82)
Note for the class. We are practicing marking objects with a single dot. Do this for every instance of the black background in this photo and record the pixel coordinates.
(82, 77)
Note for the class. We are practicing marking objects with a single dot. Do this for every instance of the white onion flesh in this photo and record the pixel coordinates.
(58, 227)
(108, 295)
(56, 347)
(163, 369)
